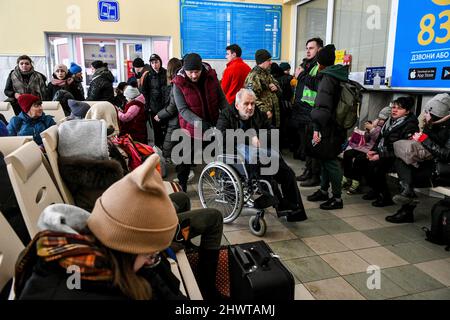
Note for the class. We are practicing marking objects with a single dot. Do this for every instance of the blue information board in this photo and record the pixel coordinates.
(208, 27)
(422, 44)
(108, 11)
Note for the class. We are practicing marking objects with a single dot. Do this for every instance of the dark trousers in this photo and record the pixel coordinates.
(206, 223)
(331, 173)
(286, 178)
(159, 131)
(376, 175)
(355, 164)
(416, 177)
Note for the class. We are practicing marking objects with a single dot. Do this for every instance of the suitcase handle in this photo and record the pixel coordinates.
(242, 254)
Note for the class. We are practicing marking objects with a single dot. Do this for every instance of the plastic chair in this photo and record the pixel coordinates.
(50, 140)
(10, 248)
(32, 183)
(53, 108)
(7, 110)
(10, 144)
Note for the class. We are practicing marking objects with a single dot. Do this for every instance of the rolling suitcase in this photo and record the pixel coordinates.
(257, 274)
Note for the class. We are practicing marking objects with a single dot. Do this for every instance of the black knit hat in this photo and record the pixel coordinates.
(192, 61)
(262, 55)
(285, 66)
(97, 64)
(138, 63)
(155, 57)
(326, 55)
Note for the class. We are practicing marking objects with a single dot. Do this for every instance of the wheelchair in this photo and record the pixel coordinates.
(224, 184)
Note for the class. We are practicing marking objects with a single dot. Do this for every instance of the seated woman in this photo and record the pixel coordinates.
(355, 157)
(105, 111)
(89, 165)
(435, 137)
(400, 125)
(24, 79)
(133, 118)
(115, 262)
(32, 120)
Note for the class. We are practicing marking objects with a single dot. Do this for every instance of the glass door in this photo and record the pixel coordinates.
(130, 50)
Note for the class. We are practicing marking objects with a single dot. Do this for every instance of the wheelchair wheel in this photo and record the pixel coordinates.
(257, 226)
(219, 187)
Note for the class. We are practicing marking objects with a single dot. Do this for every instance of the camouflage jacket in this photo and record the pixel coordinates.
(258, 80)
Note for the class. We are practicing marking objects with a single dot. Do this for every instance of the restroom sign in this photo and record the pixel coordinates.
(108, 11)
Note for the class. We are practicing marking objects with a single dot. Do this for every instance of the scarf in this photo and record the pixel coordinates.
(59, 83)
(35, 85)
(67, 249)
(388, 126)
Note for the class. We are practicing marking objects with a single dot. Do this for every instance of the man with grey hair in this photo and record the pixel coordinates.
(247, 117)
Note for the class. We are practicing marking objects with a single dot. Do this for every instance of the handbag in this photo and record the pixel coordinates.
(411, 152)
(357, 138)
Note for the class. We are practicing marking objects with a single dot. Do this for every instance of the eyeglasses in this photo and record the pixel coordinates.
(153, 260)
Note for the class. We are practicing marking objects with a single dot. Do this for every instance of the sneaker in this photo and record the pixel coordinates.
(332, 204)
(319, 195)
(354, 188)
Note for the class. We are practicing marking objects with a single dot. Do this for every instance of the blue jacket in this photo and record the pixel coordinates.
(23, 125)
(3, 130)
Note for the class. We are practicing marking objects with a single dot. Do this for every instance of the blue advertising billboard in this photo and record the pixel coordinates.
(422, 44)
(208, 27)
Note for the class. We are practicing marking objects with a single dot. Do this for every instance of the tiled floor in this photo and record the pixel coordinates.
(330, 252)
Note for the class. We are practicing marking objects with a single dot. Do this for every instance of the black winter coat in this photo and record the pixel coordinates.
(229, 119)
(101, 86)
(153, 89)
(438, 144)
(48, 281)
(401, 132)
(301, 111)
(169, 114)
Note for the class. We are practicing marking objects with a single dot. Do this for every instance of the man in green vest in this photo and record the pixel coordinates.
(301, 111)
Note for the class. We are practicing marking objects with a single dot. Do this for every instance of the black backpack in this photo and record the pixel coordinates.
(440, 224)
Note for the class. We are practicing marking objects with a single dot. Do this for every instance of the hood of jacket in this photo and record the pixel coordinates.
(104, 73)
(337, 71)
(63, 218)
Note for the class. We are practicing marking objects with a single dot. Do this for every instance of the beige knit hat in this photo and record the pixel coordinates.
(135, 214)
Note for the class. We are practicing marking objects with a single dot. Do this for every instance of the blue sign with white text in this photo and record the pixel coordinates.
(108, 11)
(422, 44)
(208, 27)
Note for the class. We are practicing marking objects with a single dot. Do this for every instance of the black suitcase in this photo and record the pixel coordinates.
(257, 274)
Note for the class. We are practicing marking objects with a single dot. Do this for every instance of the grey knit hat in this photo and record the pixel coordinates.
(385, 113)
(78, 108)
(439, 105)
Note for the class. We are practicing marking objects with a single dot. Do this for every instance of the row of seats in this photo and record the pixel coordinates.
(37, 183)
(52, 108)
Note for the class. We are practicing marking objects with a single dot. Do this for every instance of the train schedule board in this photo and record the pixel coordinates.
(208, 27)
(422, 44)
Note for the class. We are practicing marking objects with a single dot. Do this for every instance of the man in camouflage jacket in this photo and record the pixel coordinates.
(265, 86)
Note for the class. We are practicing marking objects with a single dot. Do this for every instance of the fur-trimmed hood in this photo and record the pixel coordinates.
(91, 174)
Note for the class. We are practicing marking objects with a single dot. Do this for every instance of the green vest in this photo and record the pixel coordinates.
(309, 96)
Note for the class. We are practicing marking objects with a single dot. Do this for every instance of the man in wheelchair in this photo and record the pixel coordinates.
(245, 116)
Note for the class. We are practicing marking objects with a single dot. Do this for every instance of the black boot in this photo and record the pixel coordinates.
(307, 174)
(207, 269)
(406, 196)
(404, 215)
(383, 200)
